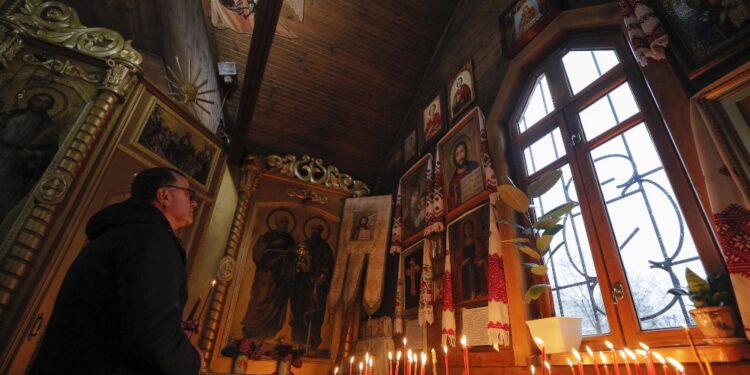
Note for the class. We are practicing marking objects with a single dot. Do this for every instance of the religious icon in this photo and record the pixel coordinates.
(414, 199)
(522, 21)
(461, 91)
(433, 119)
(314, 221)
(410, 146)
(412, 275)
(363, 226)
(460, 155)
(469, 241)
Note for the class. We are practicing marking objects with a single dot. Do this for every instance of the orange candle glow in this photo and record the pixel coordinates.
(593, 358)
(678, 368)
(540, 344)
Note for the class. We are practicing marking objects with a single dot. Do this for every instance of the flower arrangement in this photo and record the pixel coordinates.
(243, 346)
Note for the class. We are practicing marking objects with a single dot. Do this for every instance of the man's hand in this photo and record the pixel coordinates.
(191, 326)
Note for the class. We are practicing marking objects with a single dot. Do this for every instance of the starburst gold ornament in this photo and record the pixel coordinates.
(188, 89)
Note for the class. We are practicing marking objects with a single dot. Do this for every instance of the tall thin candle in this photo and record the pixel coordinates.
(650, 369)
(625, 359)
(570, 363)
(390, 363)
(406, 358)
(360, 368)
(351, 362)
(580, 362)
(398, 359)
(695, 350)
(416, 363)
(369, 366)
(593, 358)
(636, 364)
(466, 354)
(407, 367)
(367, 361)
(336, 370)
(678, 368)
(540, 344)
(663, 362)
(614, 356)
(434, 361)
(424, 362)
(604, 362)
(445, 356)
(548, 367)
(533, 370)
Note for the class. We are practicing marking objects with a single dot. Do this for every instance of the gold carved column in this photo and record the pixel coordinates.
(251, 170)
(56, 23)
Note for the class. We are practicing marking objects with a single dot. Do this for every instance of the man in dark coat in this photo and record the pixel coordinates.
(119, 309)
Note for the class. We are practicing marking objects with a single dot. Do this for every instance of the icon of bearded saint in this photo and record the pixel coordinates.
(239, 15)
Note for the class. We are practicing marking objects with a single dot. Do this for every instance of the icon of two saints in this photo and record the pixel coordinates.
(287, 271)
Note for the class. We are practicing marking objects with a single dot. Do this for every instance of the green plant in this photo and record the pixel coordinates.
(536, 235)
(716, 290)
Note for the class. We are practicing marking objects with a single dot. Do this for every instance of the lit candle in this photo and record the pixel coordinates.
(367, 361)
(533, 370)
(360, 368)
(445, 356)
(579, 359)
(663, 362)
(540, 344)
(208, 296)
(466, 354)
(649, 361)
(548, 367)
(407, 362)
(604, 362)
(636, 364)
(336, 370)
(708, 366)
(678, 368)
(351, 362)
(593, 358)
(370, 366)
(403, 349)
(390, 363)
(570, 363)
(424, 362)
(614, 356)
(695, 350)
(434, 361)
(415, 360)
(398, 359)
(625, 359)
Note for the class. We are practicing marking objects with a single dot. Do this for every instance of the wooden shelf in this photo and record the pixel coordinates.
(684, 354)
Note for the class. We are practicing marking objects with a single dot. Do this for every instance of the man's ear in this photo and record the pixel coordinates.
(162, 196)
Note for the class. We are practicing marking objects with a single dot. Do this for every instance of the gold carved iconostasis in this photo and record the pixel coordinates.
(76, 123)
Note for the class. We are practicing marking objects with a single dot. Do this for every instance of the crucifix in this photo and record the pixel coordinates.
(412, 272)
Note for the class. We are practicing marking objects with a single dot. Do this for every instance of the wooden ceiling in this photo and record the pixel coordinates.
(340, 91)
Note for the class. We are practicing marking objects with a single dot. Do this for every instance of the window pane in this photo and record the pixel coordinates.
(575, 287)
(539, 105)
(654, 243)
(544, 151)
(613, 108)
(584, 67)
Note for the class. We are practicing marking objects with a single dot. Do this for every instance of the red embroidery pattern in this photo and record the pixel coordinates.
(396, 231)
(496, 280)
(448, 292)
(451, 332)
(733, 229)
(498, 325)
(490, 181)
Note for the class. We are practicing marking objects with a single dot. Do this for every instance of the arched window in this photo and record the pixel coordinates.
(587, 111)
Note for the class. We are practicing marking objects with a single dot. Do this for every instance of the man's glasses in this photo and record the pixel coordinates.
(190, 191)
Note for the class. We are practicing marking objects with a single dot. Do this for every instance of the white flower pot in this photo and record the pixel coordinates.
(560, 334)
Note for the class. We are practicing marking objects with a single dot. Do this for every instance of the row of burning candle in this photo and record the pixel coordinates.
(625, 354)
(411, 360)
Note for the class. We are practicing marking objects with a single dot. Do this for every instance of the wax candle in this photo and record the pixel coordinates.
(663, 363)
(407, 362)
(695, 350)
(336, 370)
(370, 366)
(466, 354)
(398, 359)
(570, 363)
(533, 370)
(604, 362)
(445, 356)
(625, 359)
(650, 369)
(678, 368)
(633, 358)
(540, 344)
(548, 367)
(614, 356)
(579, 359)
(390, 363)
(708, 366)
(434, 361)
(593, 359)
(360, 368)
(406, 358)
(416, 363)
(367, 361)
(424, 362)
(351, 362)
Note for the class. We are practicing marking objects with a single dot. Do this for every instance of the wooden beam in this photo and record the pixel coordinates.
(266, 17)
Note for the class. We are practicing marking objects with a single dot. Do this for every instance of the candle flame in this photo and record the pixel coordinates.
(424, 358)
(577, 355)
(404, 341)
(644, 346)
(408, 354)
(570, 363)
(546, 364)
(623, 355)
(630, 353)
(445, 349)
(336, 370)
(533, 370)
(367, 357)
(213, 283)
(660, 358)
(641, 352)
(603, 358)
(360, 366)
(609, 344)
(351, 360)
(539, 342)
(591, 352)
(390, 356)
(677, 365)
(369, 362)
(463, 340)
(398, 356)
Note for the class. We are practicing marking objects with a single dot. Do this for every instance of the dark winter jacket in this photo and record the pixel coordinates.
(119, 309)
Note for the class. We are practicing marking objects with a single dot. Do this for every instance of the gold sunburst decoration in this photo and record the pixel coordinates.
(188, 89)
